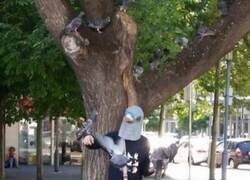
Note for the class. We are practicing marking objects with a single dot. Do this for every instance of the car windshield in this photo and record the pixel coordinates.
(245, 146)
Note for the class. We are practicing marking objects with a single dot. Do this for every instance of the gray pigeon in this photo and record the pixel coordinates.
(125, 4)
(116, 150)
(98, 24)
(159, 56)
(204, 31)
(137, 71)
(74, 24)
(222, 6)
(181, 41)
(161, 157)
(86, 126)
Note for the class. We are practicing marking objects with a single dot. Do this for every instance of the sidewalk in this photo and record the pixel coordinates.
(66, 173)
(29, 173)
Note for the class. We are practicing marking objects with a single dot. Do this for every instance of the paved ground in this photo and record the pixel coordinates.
(174, 172)
(29, 173)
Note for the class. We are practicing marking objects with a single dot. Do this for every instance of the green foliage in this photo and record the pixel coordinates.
(153, 120)
(32, 65)
(161, 22)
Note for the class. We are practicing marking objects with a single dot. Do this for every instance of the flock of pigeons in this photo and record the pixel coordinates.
(158, 56)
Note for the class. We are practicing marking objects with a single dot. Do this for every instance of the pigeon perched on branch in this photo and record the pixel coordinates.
(98, 24)
(125, 4)
(74, 24)
(204, 31)
(182, 41)
(138, 71)
(158, 57)
(224, 5)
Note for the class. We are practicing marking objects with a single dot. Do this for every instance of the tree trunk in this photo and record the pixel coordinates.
(162, 124)
(2, 141)
(215, 124)
(56, 156)
(52, 140)
(39, 150)
(82, 164)
(2, 149)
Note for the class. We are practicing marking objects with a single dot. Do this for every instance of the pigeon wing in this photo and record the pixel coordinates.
(106, 143)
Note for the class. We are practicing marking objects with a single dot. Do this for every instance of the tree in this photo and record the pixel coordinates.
(103, 66)
(215, 124)
(26, 54)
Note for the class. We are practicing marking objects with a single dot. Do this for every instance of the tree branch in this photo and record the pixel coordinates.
(195, 60)
(55, 14)
(125, 32)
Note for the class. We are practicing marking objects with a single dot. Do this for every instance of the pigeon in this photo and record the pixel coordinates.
(116, 150)
(125, 4)
(86, 126)
(181, 41)
(74, 24)
(162, 156)
(98, 24)
(138, 71)
(158, 57)
(204, 31)
(222, 6)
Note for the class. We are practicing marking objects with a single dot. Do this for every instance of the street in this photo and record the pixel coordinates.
(180, 172)
(174, 172)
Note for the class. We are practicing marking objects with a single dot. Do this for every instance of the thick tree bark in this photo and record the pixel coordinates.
(215, 124)
(2, 141)
(39, 150)
(103, 66)
(162, 123)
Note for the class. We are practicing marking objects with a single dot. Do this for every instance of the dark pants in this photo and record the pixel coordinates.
(11, 163)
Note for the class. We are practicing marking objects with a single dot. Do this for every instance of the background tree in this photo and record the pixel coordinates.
(27, 56)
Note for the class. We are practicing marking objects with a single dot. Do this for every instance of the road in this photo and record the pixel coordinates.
(180, 172)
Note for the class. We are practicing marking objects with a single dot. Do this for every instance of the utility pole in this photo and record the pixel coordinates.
(227, 96)
(188, 97)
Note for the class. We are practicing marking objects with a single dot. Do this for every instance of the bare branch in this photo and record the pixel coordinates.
(55, 14)
(197, 59)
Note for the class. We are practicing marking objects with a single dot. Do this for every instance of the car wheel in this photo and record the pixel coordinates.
(233, 164)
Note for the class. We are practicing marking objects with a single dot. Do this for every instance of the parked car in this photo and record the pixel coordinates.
(238, 152)
(199, 151)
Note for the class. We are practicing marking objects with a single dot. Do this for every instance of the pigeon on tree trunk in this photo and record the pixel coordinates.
(98, 24)
(204, 31)
(74, 24)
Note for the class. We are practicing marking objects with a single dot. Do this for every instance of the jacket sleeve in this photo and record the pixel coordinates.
(145, 165)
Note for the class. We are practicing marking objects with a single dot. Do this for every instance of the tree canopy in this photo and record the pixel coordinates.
(32, 67)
